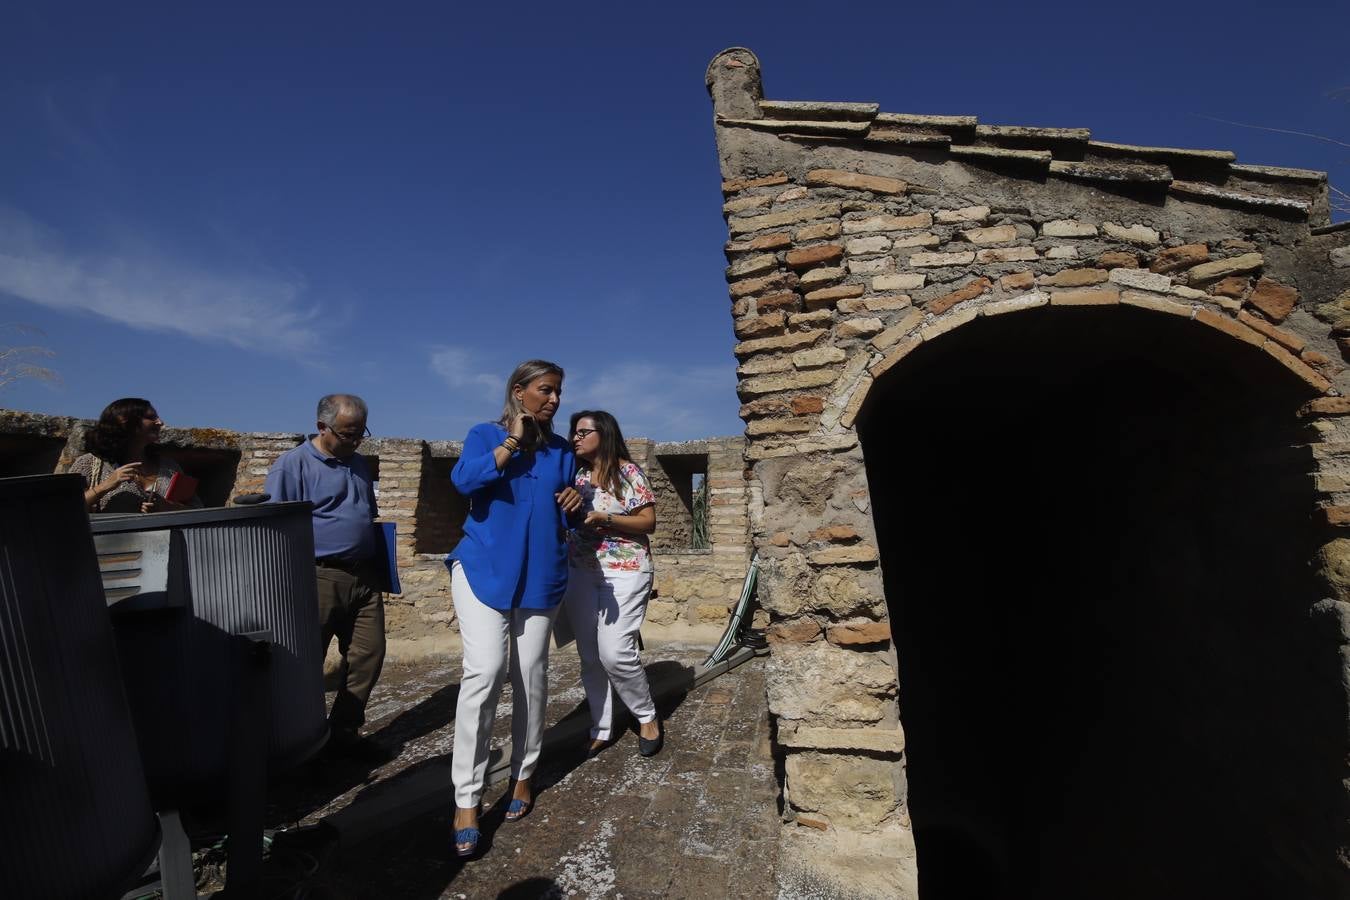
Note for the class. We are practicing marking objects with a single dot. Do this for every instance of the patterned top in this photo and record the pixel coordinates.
(608, 549)
(127, 496)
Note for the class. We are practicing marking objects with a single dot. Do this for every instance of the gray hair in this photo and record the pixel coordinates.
(525, 373)
(333, 405)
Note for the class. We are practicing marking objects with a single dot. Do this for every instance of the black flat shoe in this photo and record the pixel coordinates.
(652, 746)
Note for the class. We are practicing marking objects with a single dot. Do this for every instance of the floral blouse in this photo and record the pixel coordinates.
(610, 550)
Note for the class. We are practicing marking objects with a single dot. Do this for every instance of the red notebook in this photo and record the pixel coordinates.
(182, 488)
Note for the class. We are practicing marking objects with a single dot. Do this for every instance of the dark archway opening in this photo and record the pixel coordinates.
(1096, 538)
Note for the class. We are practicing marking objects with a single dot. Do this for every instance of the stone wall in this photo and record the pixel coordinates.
(694, 587)
(860, 240)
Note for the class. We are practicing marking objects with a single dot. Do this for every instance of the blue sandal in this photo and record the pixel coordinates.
(468, 836)
(518, 809)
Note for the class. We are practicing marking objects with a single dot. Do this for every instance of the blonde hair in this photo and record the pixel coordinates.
(525, 373)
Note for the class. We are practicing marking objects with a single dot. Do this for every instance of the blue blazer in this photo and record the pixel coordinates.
(514, 551)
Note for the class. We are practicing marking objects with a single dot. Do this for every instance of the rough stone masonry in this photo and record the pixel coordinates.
(860, 241)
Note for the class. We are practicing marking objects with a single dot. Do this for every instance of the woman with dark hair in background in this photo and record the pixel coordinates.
(123, 467)
(507, 576)
(610, 578)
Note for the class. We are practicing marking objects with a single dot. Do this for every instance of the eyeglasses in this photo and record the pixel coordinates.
(351, 437)
(582, 432)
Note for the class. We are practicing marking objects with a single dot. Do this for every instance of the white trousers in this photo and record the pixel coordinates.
(607, 608)
(490, 637)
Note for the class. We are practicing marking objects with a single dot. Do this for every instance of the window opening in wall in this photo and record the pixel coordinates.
(699, 508)
(441, 510)
(680, 482)
(23, 454)
(215, 471)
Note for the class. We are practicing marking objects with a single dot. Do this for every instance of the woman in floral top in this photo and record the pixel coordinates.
(610, 578)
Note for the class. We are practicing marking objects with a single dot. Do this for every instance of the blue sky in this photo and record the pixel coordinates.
(234, 208)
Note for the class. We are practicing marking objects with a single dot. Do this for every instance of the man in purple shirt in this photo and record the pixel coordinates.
(328, 472)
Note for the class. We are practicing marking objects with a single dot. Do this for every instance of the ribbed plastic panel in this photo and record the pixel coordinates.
(75, 817)
(230, 572)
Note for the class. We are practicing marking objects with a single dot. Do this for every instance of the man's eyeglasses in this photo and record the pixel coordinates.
(582, 432)
(351, 437)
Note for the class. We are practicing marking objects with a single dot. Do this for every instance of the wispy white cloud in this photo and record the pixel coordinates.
(658, 401)
(139, 284)
(463, 371)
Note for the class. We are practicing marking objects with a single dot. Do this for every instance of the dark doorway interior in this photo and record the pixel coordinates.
(1096, 537)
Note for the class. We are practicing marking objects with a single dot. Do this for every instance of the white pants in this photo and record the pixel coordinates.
(489, 635)
(607, 608)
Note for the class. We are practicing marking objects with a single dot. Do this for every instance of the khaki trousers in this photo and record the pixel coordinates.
(353, 611)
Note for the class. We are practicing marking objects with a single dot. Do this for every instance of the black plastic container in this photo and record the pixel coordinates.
(75, 816)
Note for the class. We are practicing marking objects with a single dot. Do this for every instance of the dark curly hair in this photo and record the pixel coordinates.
(117, 423)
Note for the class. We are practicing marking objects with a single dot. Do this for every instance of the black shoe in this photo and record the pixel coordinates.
(350, 745)
(652, 746)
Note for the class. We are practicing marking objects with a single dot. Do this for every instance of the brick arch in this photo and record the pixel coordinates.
(912, 332)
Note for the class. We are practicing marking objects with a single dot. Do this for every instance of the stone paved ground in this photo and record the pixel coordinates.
(699, 820)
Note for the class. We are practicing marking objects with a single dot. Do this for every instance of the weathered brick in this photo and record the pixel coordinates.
(773, 384)
(877, 184)
(835, 534)
(1222, 268)
(1133, 234)
(807, 404)
(1183, 257)
(971, 289)
(814, 256)
(1291, 341)
(1006, 254)
(947, 323)
(1117, 259)
(751, 265)
(1234, 286)
(780, 539)
(887, 223)
(823, 276)
(796, 631)
(1230, 327)
(810, 319)
(758, 326)
(924, 239)
(1326, 406)
(775, 241)
(1140, 280)
(763, 365)
(779, 426)
(1105, 297)
(893, 334)
(1274, 299)
(793, 193)
(740, 184)
(996, 234)
(843, 556)
(831, 294)
(965, 214)
(1015, 304)
(1156, 304)
(787, 300)
(879, 265)
(1296, 365)
(821, 232)
(744, 224)
(896, 354)
(846, 634)
(765, 406)
(755, 285)
(1017, 281)
(1068, 228)
(779, 342)
(850, 328)
(905, 281)
(1073, 278)
(933, 260)
(855, 401)
(1062, 251)
(820, 356)
(741, 204)
(868, 246)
